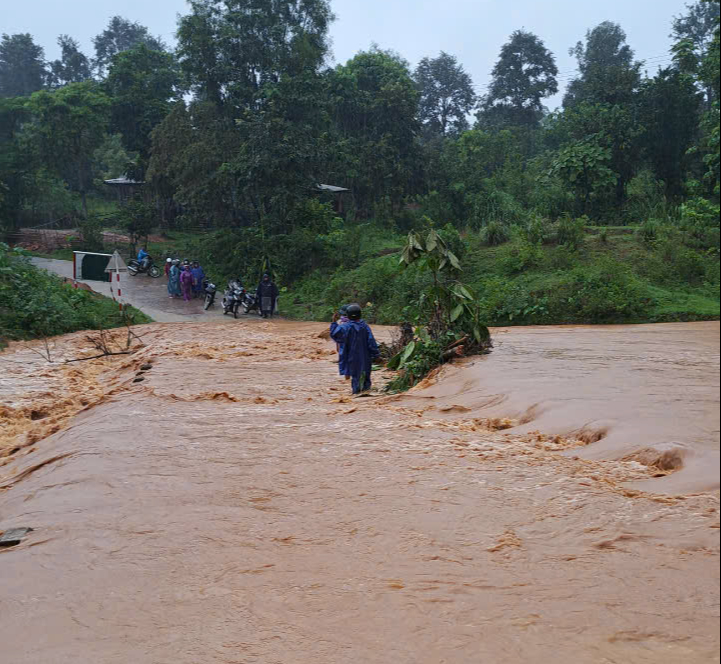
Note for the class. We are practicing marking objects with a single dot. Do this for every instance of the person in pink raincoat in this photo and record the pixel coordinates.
(186, 283)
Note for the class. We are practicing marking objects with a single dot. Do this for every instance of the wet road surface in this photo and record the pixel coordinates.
(147, 294)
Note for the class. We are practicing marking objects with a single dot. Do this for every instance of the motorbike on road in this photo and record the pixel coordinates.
(209, 289)
(146, 266)
(233, 298)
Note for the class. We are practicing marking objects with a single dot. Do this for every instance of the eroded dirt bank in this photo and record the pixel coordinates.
(236, 506)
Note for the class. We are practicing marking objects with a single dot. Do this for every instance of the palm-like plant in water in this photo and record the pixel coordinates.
(453, 324)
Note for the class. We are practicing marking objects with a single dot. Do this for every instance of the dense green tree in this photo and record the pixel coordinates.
(22, 66)
(374, 106)
(608, 72)
(697, 25)
(121, 35)
(614, 128)
(524, 75)
(143, 84)
(229, 50)
(68, 126)
(199, 55)
(446, 94)
(16, 163)
(73, 65)
(670, 108)
(584, 166)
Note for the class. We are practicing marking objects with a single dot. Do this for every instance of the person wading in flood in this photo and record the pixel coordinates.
(359, 347)
(267, 294)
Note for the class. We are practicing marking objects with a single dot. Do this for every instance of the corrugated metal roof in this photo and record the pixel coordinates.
(332, 188)
(123, 180)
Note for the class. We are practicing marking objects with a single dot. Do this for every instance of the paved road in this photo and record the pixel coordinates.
(148, 295)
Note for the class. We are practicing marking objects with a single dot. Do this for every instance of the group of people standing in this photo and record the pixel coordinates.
(357, 347)
(184, 278)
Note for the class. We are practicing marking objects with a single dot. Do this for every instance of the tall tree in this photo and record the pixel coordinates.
(524, 75)
(69, 125)
(199, 54)
(121, 35)
(670, 108)
(73, 65)
(22, 65)
(446, 94)
(608, 72)
(374, 103)
(143, 85)
(258, 118)
(16, 163)
(231, 49)
(698, 25)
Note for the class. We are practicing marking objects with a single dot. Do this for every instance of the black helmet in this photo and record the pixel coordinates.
(354, 311)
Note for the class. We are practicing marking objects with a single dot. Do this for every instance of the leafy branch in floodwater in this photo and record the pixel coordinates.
(449, 321)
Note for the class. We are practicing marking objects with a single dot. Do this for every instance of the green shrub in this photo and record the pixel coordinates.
(520, 256)
(571, 232)
(34, 303)
(495, 233)
(649, 232)
(537, 231)
(700, 222)
(605, 293)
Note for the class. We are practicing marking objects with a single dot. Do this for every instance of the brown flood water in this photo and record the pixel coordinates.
(236, 505)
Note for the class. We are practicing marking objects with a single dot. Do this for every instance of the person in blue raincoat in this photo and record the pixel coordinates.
(342, 369)
(359, 347)
(144, 258)
(174, 280)
(198, 277)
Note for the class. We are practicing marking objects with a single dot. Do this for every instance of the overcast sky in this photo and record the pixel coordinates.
(473, 30)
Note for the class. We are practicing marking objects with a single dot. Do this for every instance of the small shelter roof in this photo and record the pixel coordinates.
(123, 180)
(332, 188)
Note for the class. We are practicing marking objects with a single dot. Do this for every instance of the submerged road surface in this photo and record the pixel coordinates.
(235, 505)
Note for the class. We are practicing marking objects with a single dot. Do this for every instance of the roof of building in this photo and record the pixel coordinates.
(123, 180)
(332, 188)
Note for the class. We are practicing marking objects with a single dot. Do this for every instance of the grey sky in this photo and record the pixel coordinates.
(473, 30)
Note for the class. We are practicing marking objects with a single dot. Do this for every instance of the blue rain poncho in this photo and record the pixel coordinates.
(359, 351)
(174, 281)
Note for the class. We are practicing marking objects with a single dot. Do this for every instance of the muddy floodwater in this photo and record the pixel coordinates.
(217, 497)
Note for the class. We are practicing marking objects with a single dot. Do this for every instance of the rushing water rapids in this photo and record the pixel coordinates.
(237, 506)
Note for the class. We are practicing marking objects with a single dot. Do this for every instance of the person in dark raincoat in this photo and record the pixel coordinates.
(267, 294)
(359, 347)
(174, 280)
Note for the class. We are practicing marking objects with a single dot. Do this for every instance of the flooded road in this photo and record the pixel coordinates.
(623, 387)
(235, 505)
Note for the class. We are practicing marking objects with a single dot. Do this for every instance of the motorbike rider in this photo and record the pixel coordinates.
(267, 295)
(144, 258)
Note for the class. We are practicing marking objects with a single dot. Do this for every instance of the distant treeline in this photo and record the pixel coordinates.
(239, 123)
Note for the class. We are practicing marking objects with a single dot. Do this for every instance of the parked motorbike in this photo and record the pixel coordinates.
(146, 266)
(233, 298)
(209, 289)
(250, 303)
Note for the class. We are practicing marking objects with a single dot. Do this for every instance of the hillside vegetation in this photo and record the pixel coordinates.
(35, 303)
